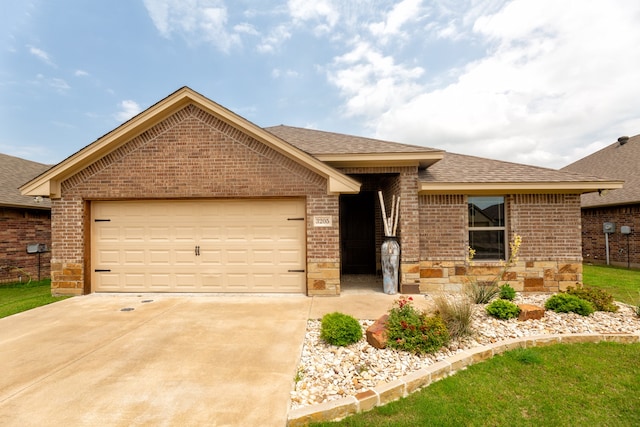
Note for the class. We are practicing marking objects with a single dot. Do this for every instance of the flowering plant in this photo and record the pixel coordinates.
(412, 330)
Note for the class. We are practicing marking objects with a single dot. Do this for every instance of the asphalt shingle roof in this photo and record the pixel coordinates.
(14, 172)
(616, 161)
(452, 168)
(470, 169)
(316, 142)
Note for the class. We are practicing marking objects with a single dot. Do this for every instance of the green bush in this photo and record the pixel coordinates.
(340, 329)
(599, 298)
(567, 303)
(411, 330)
(503, 309)
(507, 292)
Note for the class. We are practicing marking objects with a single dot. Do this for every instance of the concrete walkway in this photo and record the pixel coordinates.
(172, 360)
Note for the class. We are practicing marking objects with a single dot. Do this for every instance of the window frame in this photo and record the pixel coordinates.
(502, 228)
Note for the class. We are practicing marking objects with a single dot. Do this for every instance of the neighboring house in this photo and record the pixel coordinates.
(620, 207)
(24, 221)
(190, 197)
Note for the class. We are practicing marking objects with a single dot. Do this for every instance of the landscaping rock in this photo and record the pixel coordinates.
(530, 312)
(377, 333)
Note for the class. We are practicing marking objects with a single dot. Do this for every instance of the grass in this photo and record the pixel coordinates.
(622, 283)
(560, 385)
(18, 297)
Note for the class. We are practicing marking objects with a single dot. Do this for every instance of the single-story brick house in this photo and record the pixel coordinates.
(619, 208)
(24, 221)
(190, 197)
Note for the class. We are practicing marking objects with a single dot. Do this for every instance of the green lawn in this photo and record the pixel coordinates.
(18, 297)
(622, 283)
(560, 385)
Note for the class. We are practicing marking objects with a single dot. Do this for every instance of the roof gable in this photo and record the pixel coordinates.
(48, 184)
(619, 161)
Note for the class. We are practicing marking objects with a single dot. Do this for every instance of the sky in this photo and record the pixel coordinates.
(530, 81)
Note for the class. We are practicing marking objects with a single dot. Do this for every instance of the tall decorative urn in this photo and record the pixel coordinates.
(390, 251)
(390, 257)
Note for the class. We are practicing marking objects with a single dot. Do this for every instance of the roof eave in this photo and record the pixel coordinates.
(491, 188)
(420, 159)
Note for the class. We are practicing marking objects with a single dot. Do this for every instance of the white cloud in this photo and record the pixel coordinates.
(59, 85)
(128, 109)
(554, 74)
(246, 28)
(277, 73)
(274, 39)
(195, 20)
(401, 13)
(80, 73)
(371, 81)
(324, 12)
(41, 54)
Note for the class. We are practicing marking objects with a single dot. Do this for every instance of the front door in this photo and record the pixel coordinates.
(357, 233)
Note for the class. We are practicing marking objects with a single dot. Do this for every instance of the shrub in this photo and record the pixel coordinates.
(482, 292)
(567, 303)
(503, 309)
(457, 313)
(600, 299)
(507, 292)
(340, 329)
(411, 330)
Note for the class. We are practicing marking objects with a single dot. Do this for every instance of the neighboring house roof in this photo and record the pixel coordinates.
(460, 174)
(48, 184)
(620, 160)
(14, 172)
(347, 150)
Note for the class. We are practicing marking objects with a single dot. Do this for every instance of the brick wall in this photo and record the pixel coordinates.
(623, 250)
(18, 228)
(192, 155)
(550, 257)
(443, 227)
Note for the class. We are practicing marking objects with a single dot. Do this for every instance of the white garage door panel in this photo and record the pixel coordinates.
(244, 246)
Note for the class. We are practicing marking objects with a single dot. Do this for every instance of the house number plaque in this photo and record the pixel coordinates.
(322, 221)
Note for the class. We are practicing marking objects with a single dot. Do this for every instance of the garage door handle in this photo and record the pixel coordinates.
(102, 271)
(197, 250)
(296, 271)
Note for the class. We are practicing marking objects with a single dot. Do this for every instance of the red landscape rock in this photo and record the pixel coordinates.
(377, 333)
(530, 312)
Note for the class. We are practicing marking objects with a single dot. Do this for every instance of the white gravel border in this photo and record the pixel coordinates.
(328, 373)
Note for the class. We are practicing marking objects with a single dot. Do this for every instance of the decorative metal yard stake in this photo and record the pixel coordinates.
(390, 251)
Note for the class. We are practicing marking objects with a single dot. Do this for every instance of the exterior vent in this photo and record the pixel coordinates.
(623, 140)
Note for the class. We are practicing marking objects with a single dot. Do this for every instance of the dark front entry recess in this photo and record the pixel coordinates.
(357, 233)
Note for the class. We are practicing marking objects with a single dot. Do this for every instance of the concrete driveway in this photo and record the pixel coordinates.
(175, 360)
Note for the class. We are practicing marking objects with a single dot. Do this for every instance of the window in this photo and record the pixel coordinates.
(487, 227)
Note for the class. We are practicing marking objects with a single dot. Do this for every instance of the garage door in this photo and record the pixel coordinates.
(198, 246)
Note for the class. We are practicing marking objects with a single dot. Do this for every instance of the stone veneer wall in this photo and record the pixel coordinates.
(549, 259)
(190, 155)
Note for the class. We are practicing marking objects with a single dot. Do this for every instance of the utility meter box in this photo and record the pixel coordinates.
(625, 229)
(609, 227)
(36, 248)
